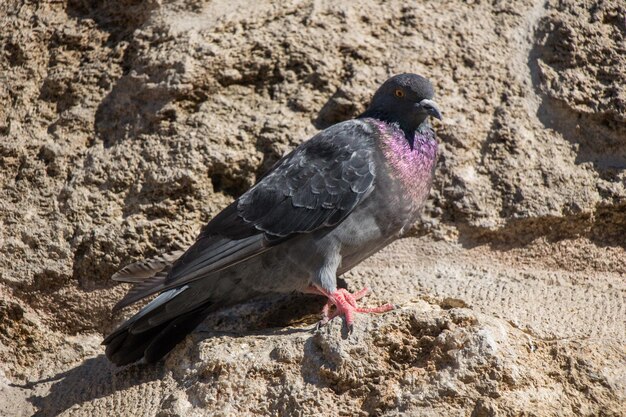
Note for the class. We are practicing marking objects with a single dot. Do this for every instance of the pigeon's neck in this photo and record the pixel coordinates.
(412, 165)
(419, 141)
(410, 127)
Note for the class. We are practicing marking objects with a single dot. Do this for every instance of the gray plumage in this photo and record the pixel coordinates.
(142, 270)
(321, 210)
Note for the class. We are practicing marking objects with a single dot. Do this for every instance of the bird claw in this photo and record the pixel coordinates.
(345, 305)
(323, 322)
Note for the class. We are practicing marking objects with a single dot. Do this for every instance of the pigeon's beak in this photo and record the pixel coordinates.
(430, 107)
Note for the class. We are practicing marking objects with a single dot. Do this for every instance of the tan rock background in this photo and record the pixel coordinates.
(126, 125)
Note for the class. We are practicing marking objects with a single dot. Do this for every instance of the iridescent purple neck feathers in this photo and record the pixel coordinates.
(412, 165)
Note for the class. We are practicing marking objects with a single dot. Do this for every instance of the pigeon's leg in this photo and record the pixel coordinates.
(326, 313)
(346, 305)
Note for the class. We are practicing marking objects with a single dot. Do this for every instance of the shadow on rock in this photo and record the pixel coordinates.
(94, 378)
(266, 315)
(136, 101)
(120, 19)
(135, 105)
(341, 106)
(598, 134)
(97, 378)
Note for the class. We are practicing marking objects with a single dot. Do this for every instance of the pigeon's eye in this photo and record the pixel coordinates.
(399, 93)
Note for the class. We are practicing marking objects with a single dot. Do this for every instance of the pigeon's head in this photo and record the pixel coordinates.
(405, 99)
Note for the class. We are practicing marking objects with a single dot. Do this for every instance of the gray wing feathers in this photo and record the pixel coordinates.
(225, 253)
(145, 269)
(142, 289)
(195, 295)
(153, 305)
(315, 186)
(210, 260)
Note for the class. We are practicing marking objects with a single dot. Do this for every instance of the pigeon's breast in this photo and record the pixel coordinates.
(412, 168)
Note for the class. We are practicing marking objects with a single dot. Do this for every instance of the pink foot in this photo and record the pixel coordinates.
(345, 305)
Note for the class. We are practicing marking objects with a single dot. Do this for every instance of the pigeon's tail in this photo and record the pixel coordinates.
(155, 330)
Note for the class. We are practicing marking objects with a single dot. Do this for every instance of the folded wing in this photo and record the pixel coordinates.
(314, 187)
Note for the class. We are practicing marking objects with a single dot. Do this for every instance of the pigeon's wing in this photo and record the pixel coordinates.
(146, 269)
(316, 186)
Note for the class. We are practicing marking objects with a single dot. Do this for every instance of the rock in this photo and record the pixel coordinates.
(125, 126)
(417, 360)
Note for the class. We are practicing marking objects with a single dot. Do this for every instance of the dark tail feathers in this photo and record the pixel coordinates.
(124, 347)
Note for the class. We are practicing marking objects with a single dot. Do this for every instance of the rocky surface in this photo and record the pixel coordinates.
(124, 126)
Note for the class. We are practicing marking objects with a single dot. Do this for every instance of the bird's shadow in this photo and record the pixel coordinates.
(94, 378)
(97, 378)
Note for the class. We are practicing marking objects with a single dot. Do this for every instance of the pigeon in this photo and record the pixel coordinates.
(333, 201)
